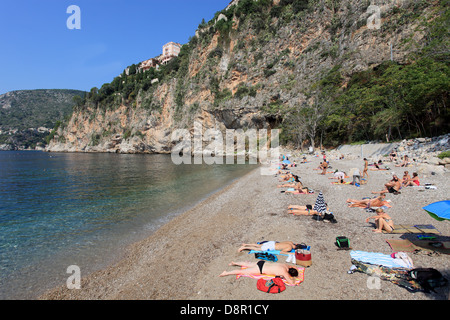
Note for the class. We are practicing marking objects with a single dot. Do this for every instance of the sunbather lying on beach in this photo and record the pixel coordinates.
(264, 267)
(298, 189)
(291, 183)
(377, 166)
(367, 203)
(304, 210)
(286, 177)
(392, 186)
(284, 246)
(382, 221)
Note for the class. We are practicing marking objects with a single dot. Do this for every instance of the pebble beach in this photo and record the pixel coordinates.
(197, 246)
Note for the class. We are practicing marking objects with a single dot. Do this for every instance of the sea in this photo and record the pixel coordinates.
(59, 210)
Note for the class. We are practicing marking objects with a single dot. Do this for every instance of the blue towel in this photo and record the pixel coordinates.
(377, 258)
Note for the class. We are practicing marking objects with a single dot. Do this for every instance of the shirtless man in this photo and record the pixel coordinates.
(264, 267)
(285, 246)
(392, 186)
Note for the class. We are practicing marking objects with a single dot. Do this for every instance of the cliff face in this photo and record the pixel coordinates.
(241, 71)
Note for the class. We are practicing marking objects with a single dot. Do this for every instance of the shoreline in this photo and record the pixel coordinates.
(134, 252)
(183, 258)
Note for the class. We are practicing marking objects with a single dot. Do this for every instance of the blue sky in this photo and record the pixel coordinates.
(38, 51)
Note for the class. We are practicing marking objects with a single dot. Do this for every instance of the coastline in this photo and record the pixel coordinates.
(182, 259)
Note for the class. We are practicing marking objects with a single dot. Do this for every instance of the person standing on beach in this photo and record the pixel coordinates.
(366, 168)
(356, 175)
(324, 168)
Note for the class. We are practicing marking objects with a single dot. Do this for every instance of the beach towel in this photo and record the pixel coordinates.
(399, 277)
(380, 259)
(418, 245)
(341, 183)
(419, 228)
(299, 279)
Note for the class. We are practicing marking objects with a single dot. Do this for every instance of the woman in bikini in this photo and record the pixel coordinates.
(406, 178)
(264, 267)
(298, 188)
(382, 221)
(304, 210)
(292, 183)
(414, 181)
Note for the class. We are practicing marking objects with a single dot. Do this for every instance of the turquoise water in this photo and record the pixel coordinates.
(62, 209)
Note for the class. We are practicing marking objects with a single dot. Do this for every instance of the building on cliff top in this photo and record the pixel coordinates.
(169, 51)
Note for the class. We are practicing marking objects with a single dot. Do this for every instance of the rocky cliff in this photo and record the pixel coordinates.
(244, 69)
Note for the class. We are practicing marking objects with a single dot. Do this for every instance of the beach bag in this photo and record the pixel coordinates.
(343, 242)
(266, 256)
(330, 217)
(275, 285)
(303, 258)
(428, 278)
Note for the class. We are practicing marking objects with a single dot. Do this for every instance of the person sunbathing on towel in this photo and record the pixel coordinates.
(382, 221)
(304, 210)
(367, 203)
(298, 189)
(286, 177)
(291, 184)
(264, 267)
(285, 246)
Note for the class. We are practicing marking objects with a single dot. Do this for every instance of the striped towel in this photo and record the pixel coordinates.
(299, 279)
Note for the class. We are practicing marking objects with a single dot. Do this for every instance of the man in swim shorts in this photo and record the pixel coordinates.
(285, 247)
(392, 186)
